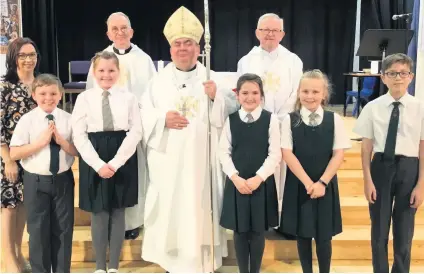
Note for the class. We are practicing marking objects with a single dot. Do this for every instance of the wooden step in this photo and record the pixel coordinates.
(351, 162)
(352, 201)
(352, 244)
(268, 266)
(351, 183)
(352, 159)
(354, 212)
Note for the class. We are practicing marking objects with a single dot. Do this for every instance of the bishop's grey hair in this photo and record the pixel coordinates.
(270, 15)
(118, 13)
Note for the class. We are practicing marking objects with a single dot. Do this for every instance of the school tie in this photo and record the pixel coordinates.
(107, 112)
(54, 152)
(389, 148)
(313, 119)
(250, 118)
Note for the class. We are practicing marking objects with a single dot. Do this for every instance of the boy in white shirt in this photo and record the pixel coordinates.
(392, 126)
(42, 140)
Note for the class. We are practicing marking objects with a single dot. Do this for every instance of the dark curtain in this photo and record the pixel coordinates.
(413, 46)
(320, 32)
(377, 14)
(39, 24)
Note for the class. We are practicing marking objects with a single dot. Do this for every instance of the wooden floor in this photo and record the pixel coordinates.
(268, 266)
(351, 249)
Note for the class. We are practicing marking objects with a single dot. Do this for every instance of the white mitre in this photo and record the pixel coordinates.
(183, 24)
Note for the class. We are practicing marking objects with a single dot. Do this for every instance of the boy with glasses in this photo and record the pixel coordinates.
(392, 126)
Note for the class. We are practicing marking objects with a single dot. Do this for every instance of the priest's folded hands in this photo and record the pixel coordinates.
(210, 89)
(175, 120)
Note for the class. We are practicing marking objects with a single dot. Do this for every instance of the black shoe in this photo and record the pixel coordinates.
(132, 234)
(286, 236)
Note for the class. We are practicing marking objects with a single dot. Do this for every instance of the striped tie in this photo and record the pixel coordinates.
(249, 118)
(313, 119)
(107, 112)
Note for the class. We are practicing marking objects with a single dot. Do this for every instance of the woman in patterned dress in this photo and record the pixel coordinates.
(22, 60)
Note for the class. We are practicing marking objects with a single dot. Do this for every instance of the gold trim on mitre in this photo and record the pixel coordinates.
(183, 24)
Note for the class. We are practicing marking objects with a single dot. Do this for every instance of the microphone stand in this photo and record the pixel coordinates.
(407, 21)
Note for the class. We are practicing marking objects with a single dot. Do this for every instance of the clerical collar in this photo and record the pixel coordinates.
(195, 66)
(273, 54)
(185, 75)
(121, 51)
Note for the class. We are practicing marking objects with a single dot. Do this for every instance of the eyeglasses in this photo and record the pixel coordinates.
(115, 30)
(268, 31)
(24, 56)
(394, 74)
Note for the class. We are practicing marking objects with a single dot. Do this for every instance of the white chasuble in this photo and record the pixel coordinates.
(280, 71)
(136, 69)
(177, 225)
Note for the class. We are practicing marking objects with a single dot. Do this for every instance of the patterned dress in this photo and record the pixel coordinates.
(15, 101)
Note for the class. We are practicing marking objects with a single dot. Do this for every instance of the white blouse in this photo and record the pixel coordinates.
(87, 117)
(341, 140)
(274, 151)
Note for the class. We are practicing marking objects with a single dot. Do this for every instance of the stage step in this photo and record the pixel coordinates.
(352, 201)
(268, 266)
(352, 244)
(354, 212)
(352, 159)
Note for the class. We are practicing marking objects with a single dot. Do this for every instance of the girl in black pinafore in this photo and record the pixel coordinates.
(313, 142)
(249, 153)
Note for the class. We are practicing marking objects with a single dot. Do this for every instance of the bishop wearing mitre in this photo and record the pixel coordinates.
(178, 226)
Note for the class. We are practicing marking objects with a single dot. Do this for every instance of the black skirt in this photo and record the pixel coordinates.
(121, 190)
(310, 218)
(255, 212)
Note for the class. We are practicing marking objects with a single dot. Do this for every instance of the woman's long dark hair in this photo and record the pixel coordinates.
(12, 59)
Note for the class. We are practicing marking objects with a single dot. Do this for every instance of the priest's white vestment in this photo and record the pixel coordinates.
(177, 227)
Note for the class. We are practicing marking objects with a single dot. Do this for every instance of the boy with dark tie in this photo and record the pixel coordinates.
(42, 140)
(392, 126)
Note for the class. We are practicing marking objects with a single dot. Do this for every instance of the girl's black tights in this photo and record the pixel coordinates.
(249, 248)
(323, 249)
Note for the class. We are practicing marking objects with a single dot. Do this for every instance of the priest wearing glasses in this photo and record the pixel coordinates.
(280, 70)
